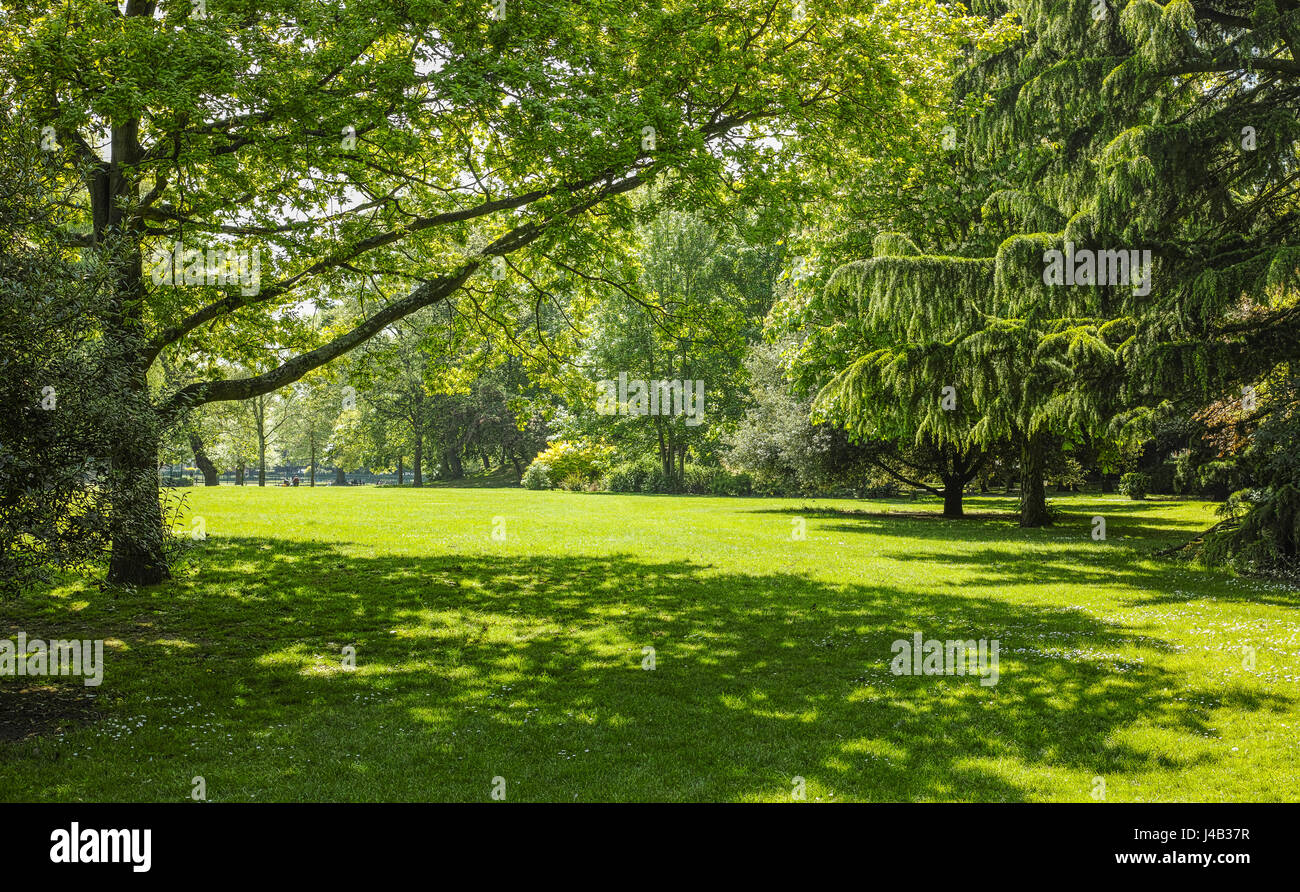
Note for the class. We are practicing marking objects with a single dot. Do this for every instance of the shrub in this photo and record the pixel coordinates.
(575, 463)
(576, 483)
(742, 484)
(724, 483)
(699, 480)
(1135, 485)
(657, 481)
(538, 476)
(626, 477)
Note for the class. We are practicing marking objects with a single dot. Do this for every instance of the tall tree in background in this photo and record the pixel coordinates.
(392, 370)
(686, 321)
(313, 419)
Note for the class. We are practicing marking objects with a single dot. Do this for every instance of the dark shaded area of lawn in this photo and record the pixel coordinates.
(760, 677)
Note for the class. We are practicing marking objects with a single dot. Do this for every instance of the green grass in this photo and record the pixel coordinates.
(522, 659)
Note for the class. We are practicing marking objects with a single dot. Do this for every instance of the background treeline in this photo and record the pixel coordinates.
(406, 409)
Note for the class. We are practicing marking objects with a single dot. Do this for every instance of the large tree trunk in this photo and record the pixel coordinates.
(340, 477)
(417, 472)
(211, 477)
(665, 456)
(953, 490)
(312, 472)
(457, 467)
(400, 471)
(138, 556)
(261, 464)
(239, 474)
(136, 522)
(1033, 494)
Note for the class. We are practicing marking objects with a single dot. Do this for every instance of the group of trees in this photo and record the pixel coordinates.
(393, 406)
(1110, 131)
(463, 221)
(373, 160)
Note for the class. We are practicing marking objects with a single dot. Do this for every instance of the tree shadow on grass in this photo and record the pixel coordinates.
(913, 519)
(530, 668)
(999, 567)
(1064, 554)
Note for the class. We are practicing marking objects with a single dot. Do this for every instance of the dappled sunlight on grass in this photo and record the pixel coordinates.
(476, 658)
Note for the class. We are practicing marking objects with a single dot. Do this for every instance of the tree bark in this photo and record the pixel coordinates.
(138, 556)
(1033, 495)
(953, 490)
(417, 471)
(340, 477)
(211, 477)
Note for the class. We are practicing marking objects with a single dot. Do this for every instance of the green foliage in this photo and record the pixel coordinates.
(574, 465)
(776, 439)
(537, 476)
(1135, 485)
(1261, 530)
(1066, 472)
(626, 477)
(647, 476)
(631, 476)
(67, 492)
(1171, 127)
(660, 482)
(727, 483)
(382, 159)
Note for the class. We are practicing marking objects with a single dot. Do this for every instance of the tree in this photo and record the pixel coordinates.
(58, 490)
(1170, 128)
(394, 366)
(313, 418)
(938, 354)
(269, 412)
(696, 301)
(777, 439)
(235, 442)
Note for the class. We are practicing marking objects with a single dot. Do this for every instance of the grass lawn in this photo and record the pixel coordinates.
(522, 659)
